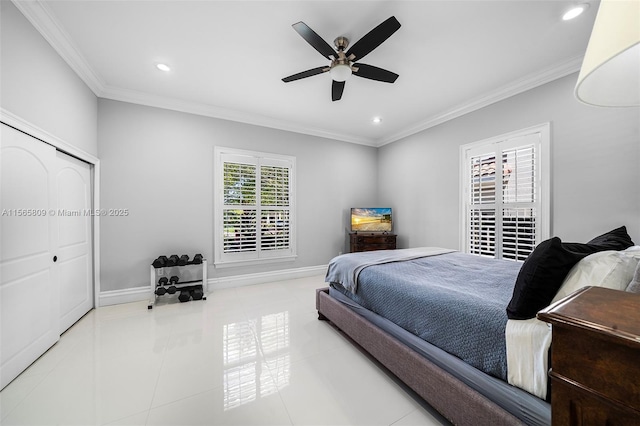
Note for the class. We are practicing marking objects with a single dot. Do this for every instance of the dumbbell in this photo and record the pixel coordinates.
(197, 259)
(172, 288)
(184, 260)
(160, 262)
(197, 293)
(162, 282)
(172, 260)
(185, 294)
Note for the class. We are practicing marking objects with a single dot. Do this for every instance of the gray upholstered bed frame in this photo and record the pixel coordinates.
(447, 394)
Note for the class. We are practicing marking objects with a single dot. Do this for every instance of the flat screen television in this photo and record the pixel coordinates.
(371, 219)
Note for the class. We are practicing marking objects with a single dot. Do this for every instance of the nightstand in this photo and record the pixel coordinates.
(369, 241)
(595, 358)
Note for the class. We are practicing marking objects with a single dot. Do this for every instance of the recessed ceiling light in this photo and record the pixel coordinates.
(163, 67)
(575, 11)
(377, 120)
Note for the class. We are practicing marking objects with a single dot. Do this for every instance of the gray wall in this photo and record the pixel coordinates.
(159, 164)
(37, 85)
(595, 154)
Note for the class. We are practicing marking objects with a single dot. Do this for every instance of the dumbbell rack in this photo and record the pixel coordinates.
(168, 271)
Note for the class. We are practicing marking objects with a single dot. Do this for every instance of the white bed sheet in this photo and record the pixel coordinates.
(528, 343)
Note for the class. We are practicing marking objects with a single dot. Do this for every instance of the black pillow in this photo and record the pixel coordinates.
(617, 239)
(542, 274)
(544, 271)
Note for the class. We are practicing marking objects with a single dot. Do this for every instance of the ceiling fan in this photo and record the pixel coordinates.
(343, 64)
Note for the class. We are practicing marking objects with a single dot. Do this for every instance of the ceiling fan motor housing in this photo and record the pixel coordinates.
(341, 43)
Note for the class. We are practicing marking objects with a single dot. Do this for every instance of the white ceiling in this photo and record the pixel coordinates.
(227, 58)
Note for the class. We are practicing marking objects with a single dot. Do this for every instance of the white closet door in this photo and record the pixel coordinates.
(75, 261)
(29, 304)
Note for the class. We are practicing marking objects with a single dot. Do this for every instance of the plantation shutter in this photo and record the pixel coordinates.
(256, 208)
(240, 207)
(503, 201)
(519, 209)
(482, 207)
(274, 197)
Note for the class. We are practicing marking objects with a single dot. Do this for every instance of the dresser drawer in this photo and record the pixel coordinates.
(573, 406)
(595, 364)
(364, 242)
(383, 240)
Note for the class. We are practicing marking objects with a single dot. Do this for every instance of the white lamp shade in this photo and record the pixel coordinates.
(340, 72)
(610, 73)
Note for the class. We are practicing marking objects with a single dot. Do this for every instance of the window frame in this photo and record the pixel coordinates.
(497, 145)
(224, 155)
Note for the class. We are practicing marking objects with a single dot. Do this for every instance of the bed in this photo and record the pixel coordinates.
(458, 360)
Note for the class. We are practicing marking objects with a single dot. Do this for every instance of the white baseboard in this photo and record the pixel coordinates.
(128, 295)
(137, 294)
(265, 277)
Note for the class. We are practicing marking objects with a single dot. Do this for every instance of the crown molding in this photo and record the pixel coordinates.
(41, 17)
(198, 108)
(521, 85)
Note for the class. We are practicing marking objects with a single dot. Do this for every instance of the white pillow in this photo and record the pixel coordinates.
(634, 285)
(633, 251)
(610, 269)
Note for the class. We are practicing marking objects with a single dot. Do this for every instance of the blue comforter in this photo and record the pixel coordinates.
(455, 301)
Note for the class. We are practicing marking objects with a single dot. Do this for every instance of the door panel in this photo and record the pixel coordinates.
(25, 190)
(76, 297)
(75, 265)
(32, 328)
(29, 307)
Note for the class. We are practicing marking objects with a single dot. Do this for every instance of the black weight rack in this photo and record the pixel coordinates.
(178, 274)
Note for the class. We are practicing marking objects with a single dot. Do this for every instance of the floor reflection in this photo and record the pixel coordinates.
(250, 359)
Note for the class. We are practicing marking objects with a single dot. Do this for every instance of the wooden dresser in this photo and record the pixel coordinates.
(368, 242)
(595, 358)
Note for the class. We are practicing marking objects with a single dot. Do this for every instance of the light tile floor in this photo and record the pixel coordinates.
(254, 355)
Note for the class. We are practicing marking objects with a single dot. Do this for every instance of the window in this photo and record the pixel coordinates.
(254, 207)
(505, 194)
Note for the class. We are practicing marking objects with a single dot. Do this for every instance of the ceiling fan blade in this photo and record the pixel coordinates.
(314, 40)
(337, 87)
(373, 38)
(374, 73)
(305, 74)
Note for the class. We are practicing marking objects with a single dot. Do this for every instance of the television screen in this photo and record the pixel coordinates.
(371, 220)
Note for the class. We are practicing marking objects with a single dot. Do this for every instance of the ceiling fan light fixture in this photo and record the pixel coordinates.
(340, 72)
